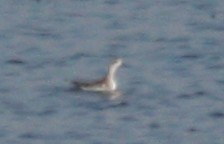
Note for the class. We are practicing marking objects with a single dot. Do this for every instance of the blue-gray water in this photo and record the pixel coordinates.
(172, 83)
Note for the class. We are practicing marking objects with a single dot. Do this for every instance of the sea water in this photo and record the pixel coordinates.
(171, 84)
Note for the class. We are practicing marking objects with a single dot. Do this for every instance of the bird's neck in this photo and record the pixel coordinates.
(111, 76)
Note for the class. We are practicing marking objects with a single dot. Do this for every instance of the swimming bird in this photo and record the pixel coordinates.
(106, 84)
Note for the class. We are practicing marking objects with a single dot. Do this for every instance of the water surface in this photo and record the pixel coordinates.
(172, 83)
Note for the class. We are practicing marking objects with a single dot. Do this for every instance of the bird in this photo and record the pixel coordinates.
(106, 84)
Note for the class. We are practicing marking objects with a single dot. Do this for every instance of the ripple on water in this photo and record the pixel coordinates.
(115, 25)
(192, 130)
(99, 104)
(172, 40)
(198, 26)
(220, 82)
(77, 135)
(154, 125)
(190, 56)
(219, 66)
(216, 114)
(16, 61)
(79, 55)
(116, 45)
(4, 90)
(111, 2)
(30, 135)
(196, 94)
(40, 136)
(139, 36)
(43, 113)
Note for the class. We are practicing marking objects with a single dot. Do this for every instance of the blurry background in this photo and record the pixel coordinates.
(172, 85)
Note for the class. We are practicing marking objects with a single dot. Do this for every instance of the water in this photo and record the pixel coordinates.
(172, 83)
